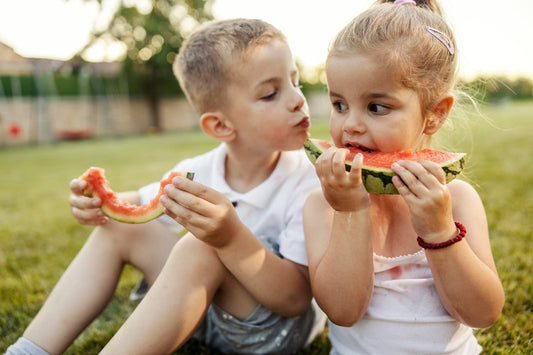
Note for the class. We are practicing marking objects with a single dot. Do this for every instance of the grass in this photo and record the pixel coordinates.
(39, 238)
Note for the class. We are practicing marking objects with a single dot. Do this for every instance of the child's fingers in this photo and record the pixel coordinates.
(357, 165)
(410, 179)
(323, 164)
(418, 178)
(338, 163)
(176, 199)
(435, 170)
(77, 186)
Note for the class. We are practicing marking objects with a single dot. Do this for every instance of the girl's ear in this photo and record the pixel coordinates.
(216, 125)
(439, 114)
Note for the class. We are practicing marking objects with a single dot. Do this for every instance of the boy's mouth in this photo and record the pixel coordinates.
(304, 123)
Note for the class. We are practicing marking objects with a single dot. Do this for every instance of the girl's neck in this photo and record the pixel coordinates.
(392, 230)
(247, 169)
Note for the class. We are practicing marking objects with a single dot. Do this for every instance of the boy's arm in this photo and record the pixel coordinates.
(279, 284)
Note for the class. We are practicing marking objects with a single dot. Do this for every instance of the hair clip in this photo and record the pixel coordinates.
(405, 2)
(443, 38)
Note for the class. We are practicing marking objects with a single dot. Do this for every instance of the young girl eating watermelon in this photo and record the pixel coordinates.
(410, 273)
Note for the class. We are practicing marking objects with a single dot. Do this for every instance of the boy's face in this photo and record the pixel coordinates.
(266, 106)
(371, 110)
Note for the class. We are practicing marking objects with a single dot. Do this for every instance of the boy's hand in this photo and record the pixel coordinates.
(423, 186)
(203, 211)
(85, 209)
(343, 190)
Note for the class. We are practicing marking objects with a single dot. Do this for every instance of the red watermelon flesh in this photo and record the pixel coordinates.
(97, 185)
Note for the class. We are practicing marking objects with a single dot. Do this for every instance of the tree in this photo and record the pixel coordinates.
(152, 32)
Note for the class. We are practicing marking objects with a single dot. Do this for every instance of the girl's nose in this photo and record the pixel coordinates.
(354, 124)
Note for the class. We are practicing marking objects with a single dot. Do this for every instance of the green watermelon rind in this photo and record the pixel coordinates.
(379, 180)
(120, 217)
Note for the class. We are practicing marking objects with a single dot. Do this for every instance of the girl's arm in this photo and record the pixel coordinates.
(464, 273)
(339, 242)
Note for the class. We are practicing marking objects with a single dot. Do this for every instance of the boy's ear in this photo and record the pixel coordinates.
(439, 114)
(217, 126)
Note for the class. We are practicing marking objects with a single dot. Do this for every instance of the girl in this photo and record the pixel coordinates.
(392, 271)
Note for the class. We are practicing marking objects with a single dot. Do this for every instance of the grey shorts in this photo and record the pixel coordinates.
(263, 332)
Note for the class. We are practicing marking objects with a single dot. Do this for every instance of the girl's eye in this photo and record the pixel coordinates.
(340, 106)
(378, 109)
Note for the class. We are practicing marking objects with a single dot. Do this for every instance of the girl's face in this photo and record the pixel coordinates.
(371, 110)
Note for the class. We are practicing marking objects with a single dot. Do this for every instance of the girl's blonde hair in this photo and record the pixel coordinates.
(401, 37)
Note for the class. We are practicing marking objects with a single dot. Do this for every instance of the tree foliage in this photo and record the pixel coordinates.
(152, 32)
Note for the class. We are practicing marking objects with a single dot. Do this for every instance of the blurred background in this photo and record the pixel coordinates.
(76, 69)
(89, 83)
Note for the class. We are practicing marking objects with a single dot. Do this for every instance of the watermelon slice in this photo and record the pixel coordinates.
(377, 173)
(97, 185)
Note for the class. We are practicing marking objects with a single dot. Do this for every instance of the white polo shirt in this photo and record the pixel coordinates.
(272, 210)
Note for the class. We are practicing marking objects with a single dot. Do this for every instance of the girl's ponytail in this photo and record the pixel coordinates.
(432, 5)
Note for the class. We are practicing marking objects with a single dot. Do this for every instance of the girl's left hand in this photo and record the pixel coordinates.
(423, 186)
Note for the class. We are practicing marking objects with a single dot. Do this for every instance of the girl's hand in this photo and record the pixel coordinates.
(343, 190)
(423, 186)
(203, 211)
(85, 209)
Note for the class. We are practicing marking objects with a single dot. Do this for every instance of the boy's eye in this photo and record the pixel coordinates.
(269, 96)
(378, 109)
(339, 106)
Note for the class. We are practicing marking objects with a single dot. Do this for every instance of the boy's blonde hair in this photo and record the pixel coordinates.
(398, 36)
(204, 64)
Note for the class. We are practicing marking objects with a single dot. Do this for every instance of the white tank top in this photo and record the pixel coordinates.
(405, 315)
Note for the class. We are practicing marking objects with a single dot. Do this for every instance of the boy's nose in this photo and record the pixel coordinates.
(298, 100)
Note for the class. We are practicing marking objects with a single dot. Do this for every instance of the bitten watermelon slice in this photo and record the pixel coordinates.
(97, 185)
(377, 174)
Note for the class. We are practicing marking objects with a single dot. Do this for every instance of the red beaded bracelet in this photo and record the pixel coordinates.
(458, 237)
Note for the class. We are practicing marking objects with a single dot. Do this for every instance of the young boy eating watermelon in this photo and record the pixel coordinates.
(238, 281)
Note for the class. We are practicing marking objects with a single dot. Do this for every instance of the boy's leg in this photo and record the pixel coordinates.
(176, 303)
(89, 282)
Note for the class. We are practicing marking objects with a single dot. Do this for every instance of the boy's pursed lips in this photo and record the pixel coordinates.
(304, 122)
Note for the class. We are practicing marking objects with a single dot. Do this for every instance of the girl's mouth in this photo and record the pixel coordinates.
(358, 147)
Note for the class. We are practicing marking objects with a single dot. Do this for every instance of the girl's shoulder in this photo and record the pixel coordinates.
(466, 202)
(460, 189)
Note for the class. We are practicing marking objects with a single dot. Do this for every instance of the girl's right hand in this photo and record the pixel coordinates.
(343, 190)
(85, 209)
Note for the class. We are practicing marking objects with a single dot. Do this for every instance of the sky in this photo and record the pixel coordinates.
(494, 37)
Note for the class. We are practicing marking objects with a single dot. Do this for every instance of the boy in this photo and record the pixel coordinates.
(238, 280)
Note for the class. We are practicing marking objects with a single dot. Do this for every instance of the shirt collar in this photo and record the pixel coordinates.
(260, 195)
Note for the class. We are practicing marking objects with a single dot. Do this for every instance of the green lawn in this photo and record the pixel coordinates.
(38, 236)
